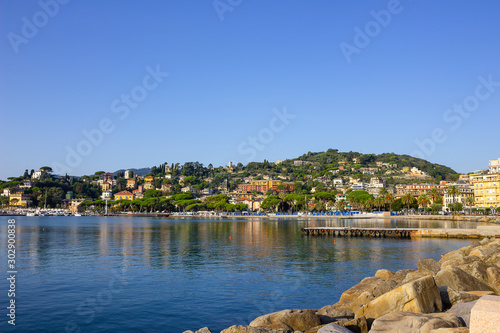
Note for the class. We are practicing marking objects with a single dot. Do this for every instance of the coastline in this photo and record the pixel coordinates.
(437, 295)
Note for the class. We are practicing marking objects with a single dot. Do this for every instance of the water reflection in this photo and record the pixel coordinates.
(175, 267)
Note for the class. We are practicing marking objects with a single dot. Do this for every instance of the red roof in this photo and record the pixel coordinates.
(123, 193)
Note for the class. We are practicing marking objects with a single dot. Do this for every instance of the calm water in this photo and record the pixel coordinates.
(109, 274)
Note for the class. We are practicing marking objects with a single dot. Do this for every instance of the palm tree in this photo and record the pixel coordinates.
(407, 199)
(469, 201)
(388, 200)
(453, 191)
(340, 205)
(379, 202)
(282, 196)
(423, 200)
(435, 195)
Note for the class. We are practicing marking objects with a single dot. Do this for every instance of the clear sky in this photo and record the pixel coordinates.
(247, 80)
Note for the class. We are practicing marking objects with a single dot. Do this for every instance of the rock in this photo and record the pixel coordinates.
(333, 328)
(450, 296)
(188, 331)
(384, 274)
(430, 265)
(412, 276)
(332, 313)
(420, 296)
(358, 325)
(451, 330)
(204, 330)
(472, 245)
(401, 275)
(490, 253)
(249, 329)
(296, 320)
(452, 255)
(493, 275)
(462, 311)
(459, 280)
(365, 291)
(485, 315)
(460, 261)
(414, 322)
(484, 241)
(313, 329)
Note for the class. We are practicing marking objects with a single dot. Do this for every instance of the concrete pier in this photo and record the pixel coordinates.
(479, 233)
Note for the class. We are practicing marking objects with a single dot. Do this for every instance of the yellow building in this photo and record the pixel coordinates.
(20, 199)
(486, 189)
(124, 195)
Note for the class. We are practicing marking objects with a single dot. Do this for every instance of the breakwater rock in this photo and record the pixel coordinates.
(436, 297)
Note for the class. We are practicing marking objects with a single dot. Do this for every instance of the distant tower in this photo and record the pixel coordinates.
(230, 164)
(167, 168)
(128, 174)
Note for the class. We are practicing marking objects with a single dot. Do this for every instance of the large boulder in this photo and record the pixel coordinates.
(450, 296)
(459, 280)
(462, 311)
(201, 330)
(459, 261)
(296, 320)
(384, 274)
(489, 253)
(415, 275)
(414, 322)
(358, 325)
(333, 328)
(419, 296)
(452, 255)
(401, 275)
(486, 273)
(249, 329)
(365, 291)
(334, 313)
(430, 265)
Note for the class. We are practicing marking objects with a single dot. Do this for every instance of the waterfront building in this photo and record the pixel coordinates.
(75, 207)
(19, 199)
(487, 187)
(465, 191)
(417, 189)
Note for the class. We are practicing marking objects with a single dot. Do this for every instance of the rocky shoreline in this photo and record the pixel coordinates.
(436, 297)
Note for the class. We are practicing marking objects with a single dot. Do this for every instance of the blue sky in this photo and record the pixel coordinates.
(232, 69)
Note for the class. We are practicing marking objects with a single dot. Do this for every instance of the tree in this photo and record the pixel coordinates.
(423, 200)
(407, 199)
(469, 201)
(453, 191)
(388, 199)
(26, 174)
(340, 205)
(435, 195)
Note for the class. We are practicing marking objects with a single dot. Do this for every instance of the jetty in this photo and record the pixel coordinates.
(478, 233)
